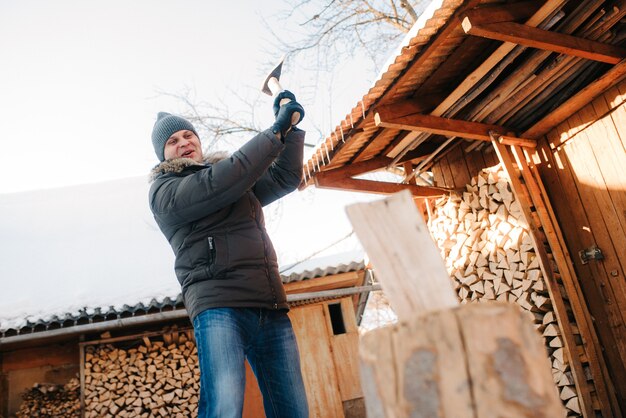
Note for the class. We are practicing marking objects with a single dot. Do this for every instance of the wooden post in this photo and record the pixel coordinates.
(81, 350)
(4, 391)
(442, 359)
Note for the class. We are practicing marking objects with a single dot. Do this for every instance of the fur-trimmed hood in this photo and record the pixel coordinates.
(177, 165)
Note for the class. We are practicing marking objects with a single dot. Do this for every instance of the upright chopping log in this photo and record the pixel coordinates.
(442, 359)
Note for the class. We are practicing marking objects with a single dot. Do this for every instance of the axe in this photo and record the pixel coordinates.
(272, 87)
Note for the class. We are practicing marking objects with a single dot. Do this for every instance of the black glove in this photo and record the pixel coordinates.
(285, 94)
(283, 118)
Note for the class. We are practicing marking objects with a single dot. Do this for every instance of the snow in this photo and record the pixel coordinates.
(69, 249)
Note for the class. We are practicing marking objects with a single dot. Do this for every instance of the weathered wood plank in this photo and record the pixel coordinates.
(475, 162)
(589, 158)
(416, 369)
(577, 101)
(320, 372)
(546, 10)
(446, 173)
(458, 166)
(603, 224)
(478, 360)
(508, 363)
(557, 174)
(346, 356)
(336, 281)
(427, 286)
(438, 177)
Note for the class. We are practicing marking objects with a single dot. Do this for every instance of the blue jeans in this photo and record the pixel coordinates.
(225, 337)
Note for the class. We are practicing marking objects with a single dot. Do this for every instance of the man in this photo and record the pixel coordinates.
(210, 210)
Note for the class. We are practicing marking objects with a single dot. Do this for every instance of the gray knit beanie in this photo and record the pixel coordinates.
(166, 125)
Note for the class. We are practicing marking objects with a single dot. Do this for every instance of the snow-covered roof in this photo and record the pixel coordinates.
(85, 252)
(313, 268)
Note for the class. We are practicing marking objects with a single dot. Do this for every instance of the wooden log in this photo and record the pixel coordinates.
(423, 365)
(418, 292)
(428, 374)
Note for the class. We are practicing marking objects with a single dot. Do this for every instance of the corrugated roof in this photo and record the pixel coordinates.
(430, 22)
(448, 74)
(314, 268)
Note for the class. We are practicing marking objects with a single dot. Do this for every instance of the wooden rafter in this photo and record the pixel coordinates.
(547, 40)
(503, 12)
(401, 116)
(355, 169)
(323, 180)
(342, 178)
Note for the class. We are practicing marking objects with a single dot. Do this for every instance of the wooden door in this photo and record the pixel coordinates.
(318, 370)
(584, 171)
(316, 360)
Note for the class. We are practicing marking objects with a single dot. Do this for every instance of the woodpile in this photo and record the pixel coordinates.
(46, 400)
(153, 379)
(489, 254)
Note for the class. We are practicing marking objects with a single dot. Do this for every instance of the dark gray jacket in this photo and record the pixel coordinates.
(212, 216)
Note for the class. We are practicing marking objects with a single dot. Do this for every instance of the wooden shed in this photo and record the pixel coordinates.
(500, 116)
(140, 361)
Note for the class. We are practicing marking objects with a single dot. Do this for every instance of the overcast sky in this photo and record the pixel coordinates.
(79, 80)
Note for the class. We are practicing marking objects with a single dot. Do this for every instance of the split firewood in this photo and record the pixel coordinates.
(153, 379)
(51, 400)
(490, 255)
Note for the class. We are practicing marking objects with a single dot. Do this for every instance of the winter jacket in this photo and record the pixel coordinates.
(212, 216)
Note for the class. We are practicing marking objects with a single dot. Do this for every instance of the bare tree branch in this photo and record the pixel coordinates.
(220, 128)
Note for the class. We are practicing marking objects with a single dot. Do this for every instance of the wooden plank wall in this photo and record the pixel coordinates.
(311, 327)
(583, 166)
(457, 167)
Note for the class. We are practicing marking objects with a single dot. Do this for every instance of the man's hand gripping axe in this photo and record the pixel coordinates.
(272, 87)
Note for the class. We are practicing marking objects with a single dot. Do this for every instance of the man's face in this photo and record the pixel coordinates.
(183, 144)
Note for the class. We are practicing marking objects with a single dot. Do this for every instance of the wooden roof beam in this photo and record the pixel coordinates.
(400, 115)
(543, 39)
(355, 169)
(519, 11)
(325, 180)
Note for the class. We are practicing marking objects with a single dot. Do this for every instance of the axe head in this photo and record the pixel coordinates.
(275, 73)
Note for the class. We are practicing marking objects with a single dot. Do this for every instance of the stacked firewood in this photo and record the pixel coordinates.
(154, 379)
(489, 253)
(46, 400)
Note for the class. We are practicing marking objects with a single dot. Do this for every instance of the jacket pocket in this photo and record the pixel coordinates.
(218, 255)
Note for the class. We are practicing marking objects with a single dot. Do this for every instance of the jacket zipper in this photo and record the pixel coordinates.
(267, 270)
(211, 250)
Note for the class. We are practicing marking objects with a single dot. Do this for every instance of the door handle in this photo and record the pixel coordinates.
(591, 253)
